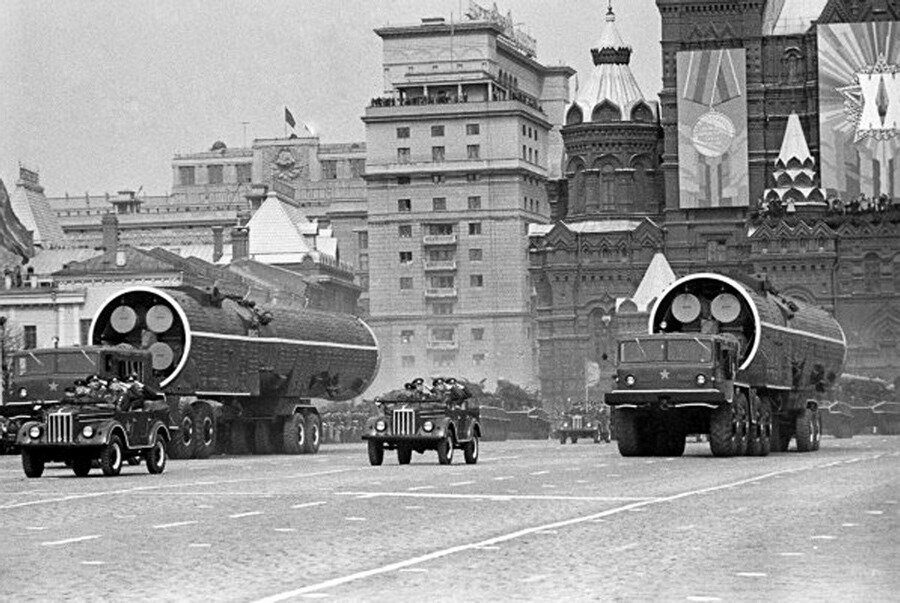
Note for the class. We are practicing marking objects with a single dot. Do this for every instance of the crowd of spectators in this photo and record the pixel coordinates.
(859, 205)
(13, 278)
(443, 98)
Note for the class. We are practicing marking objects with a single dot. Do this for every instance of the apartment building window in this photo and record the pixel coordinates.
(403, 180)
(472, 178)
(529, 154)
(437, 131)
(444, 360)
(406, 335)
(403, 132)
(439, 204)
(214, 174)
(476, 255)
(473, 129)
(440, 229)
(437, 154)
(443, 334)
(329, 169)
(406, 257)
(476, 280)
(442, 308)
(441, 282)
(244, 173)
(441, 255)
(474, 228)
(536, 156)
(362, 239)
(437, 178)
(477, 359)
(404, 205)
(84, 328)
(524, 152)
(473, 151)
(403, 155)
(363, 261)
(478, 334)
(29, 337)
(474, 202)
(524, 130)
(404, 231)
(408, 361)
(406, 283)
(357, 168)
(363, 281)
(186, 175)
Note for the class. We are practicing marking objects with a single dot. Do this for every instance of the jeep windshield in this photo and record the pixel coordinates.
(638, 350)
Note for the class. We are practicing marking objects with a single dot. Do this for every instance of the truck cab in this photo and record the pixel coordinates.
(661, 371)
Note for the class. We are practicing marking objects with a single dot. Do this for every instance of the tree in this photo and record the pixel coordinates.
(515, 397)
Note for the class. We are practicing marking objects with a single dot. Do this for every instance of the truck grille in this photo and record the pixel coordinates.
(577, 422)
(404, 421)
(59, 428)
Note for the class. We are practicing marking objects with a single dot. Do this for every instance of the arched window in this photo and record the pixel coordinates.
(605, 112)
(872, 267)
(642, 113)
(574, 116)
(607, 186)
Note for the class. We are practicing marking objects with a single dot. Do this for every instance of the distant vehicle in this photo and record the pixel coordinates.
(236, 378)
(727, 358)
(586, 421)
(424, 418)
(83, 430)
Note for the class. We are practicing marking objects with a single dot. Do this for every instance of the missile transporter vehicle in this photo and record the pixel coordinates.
(81, 430)
(584, 422)
(236, 378)
(729, 358)
(421, 418)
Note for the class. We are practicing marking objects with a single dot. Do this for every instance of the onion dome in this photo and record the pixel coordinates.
(611, 93)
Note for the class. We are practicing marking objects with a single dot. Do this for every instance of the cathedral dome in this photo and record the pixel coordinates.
(610, 93)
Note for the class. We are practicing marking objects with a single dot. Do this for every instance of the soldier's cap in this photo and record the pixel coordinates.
(409, 386)
(418, 381)
(437, 381)
(80, 382)
(93, 378)
(451, 381)
(133, 377)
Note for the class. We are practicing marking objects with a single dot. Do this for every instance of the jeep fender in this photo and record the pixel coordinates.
(23, 431)
(447, 426)
(159, 430)
(107, 429)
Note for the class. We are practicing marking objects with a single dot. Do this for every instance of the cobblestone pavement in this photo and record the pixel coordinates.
(531, 521)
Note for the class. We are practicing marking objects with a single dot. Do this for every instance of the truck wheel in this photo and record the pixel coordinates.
(313, 433)
(376, 452)
(805, 431)
(111, 457)
(156, 457)
(32, 463)
(562, 439)
(404, 454)
(597, 438)
(471, 450)
(239, 438)
(207, 434)
(293, 434)
(628, 434)
(184, 442)
(574, 439)
(817, 429)
(742, 424)
(81, 467)
(262, 438)
(723, 431)
(445, 450)
(764, 429)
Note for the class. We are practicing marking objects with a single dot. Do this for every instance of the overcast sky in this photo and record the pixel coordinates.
(98, 95)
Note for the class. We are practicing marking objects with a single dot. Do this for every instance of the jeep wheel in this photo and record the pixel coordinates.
(205, 427)
(262, 438)
(81, 466)
(574, 439)
(445, 450)
(471, 450)
(805, 430)
(293, 435)
(32, 464)
(404, 454)
(562, 439)
(313, 433)
(111, 457)
(156, 457)
(376, 452)
(184, 441)
(597, 438)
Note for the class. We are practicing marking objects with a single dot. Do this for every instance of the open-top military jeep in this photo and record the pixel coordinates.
(82, 432)
(421, 418)
(584, 422)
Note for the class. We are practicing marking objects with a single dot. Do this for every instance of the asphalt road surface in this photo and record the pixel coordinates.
(533, 520)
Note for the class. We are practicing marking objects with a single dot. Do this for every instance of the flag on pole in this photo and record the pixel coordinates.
(14, 237)
(591, 373)
(289, 118)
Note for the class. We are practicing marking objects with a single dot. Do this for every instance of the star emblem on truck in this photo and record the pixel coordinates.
(53, 386)
(664, 374)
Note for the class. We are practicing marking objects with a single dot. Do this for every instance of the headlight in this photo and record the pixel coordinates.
(565, 424)
(35, 431)
(23, 393)
(88, 431)
(589, 424)
(380, 425)
(428, 425)
(701, 379)
(629, 380)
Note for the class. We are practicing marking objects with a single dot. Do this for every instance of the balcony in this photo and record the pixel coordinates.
(440, 265)
(441, 293)
(442, 345)
(444, 239)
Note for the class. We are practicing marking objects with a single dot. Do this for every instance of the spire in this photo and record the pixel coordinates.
(794, 146)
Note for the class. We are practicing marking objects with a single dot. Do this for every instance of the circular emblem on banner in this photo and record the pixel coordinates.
(159, 318)
(123, 319)
(725, 307)
(162, 356)
(686, 308)
(712, 134)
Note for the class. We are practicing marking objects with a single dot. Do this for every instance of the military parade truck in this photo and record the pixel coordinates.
(81, 430)
(225, 366)
(585, 421)
(729, 358)
(419, 419)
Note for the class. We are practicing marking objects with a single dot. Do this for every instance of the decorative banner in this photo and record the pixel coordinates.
(859, 109)
(712, 128)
